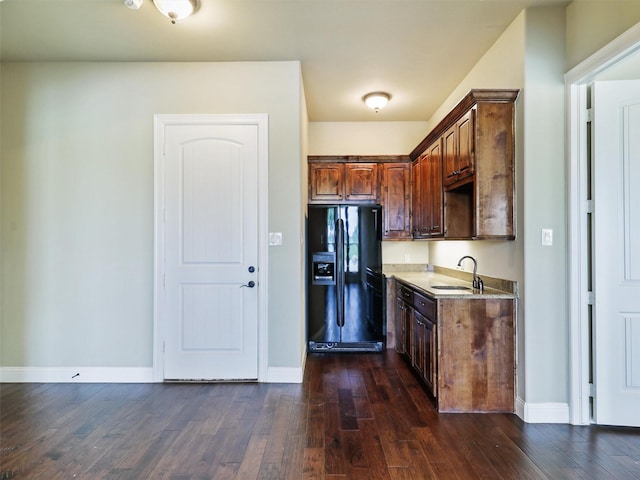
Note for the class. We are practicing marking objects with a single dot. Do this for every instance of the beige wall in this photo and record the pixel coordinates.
(77, 202)
(594, 23)
(529, 56)
(365, 138)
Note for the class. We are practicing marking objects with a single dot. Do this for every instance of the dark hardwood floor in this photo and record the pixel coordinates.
(356, 416)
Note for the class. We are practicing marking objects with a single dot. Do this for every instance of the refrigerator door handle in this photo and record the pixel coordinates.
(375, 222)
(340, 274)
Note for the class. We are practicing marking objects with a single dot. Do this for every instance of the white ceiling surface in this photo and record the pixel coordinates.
(417, 50)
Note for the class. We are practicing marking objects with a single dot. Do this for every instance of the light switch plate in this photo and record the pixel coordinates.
(275, 238)
(547, 237)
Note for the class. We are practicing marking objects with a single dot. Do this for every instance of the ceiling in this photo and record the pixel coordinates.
(417, 50)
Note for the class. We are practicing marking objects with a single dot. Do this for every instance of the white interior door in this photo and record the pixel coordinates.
(208, 303)
(616, 217)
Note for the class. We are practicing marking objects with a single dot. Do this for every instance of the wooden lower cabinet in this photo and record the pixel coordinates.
(417, 356)
(476, 354)
(425, 348)
(404, 320)
(430, 374)
(463, 349)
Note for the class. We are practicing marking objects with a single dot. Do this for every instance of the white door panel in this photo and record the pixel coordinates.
(616, 216)
(210, 242)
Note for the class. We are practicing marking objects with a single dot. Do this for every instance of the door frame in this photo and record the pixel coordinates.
(261, 121)
(576, 82)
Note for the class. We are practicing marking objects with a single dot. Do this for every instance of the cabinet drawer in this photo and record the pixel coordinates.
(405, 293)
(425, 306)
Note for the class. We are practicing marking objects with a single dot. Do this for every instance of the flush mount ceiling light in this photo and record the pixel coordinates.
(176, 9)
(133, 4)
(376, 100)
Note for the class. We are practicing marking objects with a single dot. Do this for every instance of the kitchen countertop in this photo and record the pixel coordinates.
(426, 280)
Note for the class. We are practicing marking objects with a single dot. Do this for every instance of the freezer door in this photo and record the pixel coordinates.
(322, 293)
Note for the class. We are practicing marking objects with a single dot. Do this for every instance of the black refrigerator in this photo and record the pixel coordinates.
(345, 290)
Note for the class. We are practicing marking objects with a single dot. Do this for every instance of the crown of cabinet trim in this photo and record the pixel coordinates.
(472, 98)
(358, 159)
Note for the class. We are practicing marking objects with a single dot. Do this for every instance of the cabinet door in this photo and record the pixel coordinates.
(465, 128)
(425, 195)
(430, 356)
(361, 182)
(396, 197)
(416, 198)
(404, 317)
(409, 333)
(419, 345)
(434, 195)
(450, 155)
(326, 182)
(400, 331)
(458, 150)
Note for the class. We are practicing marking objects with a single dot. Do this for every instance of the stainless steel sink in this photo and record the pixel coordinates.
(449, 287)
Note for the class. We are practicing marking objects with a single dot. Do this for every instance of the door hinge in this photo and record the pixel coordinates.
(592, 390)
(589, 115)
(590, 298)
(164, 344)
(588, 206)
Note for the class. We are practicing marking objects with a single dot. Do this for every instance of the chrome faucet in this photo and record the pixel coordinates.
(477, 281)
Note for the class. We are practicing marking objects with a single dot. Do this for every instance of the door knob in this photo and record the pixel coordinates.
(251, 284)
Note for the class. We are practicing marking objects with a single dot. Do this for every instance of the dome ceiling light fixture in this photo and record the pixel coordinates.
(176, 10)
(376, 100)
(133, 4)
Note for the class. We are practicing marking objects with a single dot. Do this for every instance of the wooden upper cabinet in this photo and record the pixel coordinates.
(336, 182)
(427, 193)
(433, 174)
(395, 199)
(450, 155)
(361, 182)
(494, 186)
(478, 150)
(326, 182)
(458, 150)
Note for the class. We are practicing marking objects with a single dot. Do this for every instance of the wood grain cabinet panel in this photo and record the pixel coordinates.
(361, 182)
(476, 364)
(417, 218)
(404, 320)
(478, 179)
(326, 182)
(427, 193)
(458, 150)
(396, 200)
(384, 180)
(462, 348)
(430, 374)
(419, 347)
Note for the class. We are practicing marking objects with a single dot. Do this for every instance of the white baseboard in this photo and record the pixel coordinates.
(287, 374)
(115, 375)
(542, 412)
(284, 375)
(76, 375)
